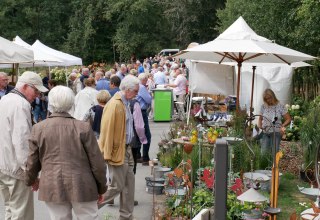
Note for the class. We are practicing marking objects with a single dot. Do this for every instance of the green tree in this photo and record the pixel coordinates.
(34, 19)
(89, 34)
(192, 20)
(140, 27)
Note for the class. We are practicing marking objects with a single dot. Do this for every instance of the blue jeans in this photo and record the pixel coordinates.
(38, 113)
(267, 143)
(146, 147)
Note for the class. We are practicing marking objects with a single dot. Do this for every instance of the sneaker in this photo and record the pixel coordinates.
(145, 163)
(140, 160)
(135, 203)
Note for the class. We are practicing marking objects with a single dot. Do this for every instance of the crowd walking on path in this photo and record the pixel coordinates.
(79, 145)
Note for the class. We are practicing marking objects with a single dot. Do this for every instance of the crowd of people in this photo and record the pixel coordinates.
(85, 138)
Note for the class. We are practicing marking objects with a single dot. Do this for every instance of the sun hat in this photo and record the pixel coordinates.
(34, 79)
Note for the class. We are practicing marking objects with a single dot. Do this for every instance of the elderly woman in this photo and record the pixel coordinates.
(66, 152)
(270, 121)
(94, 115)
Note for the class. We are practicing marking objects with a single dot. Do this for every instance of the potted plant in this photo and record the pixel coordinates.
(310, 133)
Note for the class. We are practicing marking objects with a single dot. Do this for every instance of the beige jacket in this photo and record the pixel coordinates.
(112, 140)
(68, 155)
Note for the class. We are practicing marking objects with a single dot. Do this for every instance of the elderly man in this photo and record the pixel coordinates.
(160, 77)
(180, 89)
(75, 83)
(84, 75)
(15, 126)
(5, 88)
(101, 83)
(122, 73)
(144, 98)
(140, 67)
(116, 135)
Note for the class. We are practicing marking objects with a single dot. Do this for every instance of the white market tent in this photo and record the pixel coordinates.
(41, 58)
(11, 53)
(214, 78)
(67, 59)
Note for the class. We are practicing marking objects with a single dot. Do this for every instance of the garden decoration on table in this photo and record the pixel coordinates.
(179, 188)
(237, 209)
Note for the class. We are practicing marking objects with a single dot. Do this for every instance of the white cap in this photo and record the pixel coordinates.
(34, 79)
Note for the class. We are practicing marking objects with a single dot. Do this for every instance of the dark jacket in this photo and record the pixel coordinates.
(9, 88)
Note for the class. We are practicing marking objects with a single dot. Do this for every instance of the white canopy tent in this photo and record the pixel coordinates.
(213, 78)
(41, 58)
(11, 53)
(67, 59)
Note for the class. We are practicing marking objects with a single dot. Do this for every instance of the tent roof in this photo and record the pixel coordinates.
(13, 53)
(67, 59)
(240, 30)
(41, 58)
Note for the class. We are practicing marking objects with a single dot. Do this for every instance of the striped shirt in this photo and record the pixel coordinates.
(129, 120)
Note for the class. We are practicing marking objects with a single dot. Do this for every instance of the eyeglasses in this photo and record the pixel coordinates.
(134, 90)
(34, 89)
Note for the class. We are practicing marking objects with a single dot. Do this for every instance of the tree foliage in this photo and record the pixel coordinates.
(108, 30)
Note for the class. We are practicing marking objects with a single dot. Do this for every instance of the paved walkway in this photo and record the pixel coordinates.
(145, 208)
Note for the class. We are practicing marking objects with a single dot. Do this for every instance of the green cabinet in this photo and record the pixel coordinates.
(163, 104)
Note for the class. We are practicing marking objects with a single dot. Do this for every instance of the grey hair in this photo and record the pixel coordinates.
(85, 70)
(73, 74)
(61, 99)
(129, 82)
(108, 74)
(143, 76)
(100, 73)
(3, 74)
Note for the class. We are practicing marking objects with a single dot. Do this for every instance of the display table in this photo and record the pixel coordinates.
(163, 104)
(309, 214)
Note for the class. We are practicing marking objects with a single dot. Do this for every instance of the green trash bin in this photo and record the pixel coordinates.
(163, 104)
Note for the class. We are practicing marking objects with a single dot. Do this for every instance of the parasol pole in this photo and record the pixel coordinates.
(238, 86)
(252, 90)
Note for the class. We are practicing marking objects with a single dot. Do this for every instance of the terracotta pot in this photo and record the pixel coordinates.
(187, 148)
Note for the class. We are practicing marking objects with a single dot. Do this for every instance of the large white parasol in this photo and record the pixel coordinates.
(239, 43)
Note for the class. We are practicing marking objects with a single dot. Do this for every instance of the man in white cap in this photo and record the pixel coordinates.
(15, 126)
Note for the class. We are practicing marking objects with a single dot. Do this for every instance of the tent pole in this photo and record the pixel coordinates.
(238, 87)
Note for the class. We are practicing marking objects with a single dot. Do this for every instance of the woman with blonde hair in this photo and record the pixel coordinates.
(274, 117)
(94, 114)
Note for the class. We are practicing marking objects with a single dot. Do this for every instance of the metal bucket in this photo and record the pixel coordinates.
(160, 171)
(154, 188)
(178, 192)
(269, 174)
